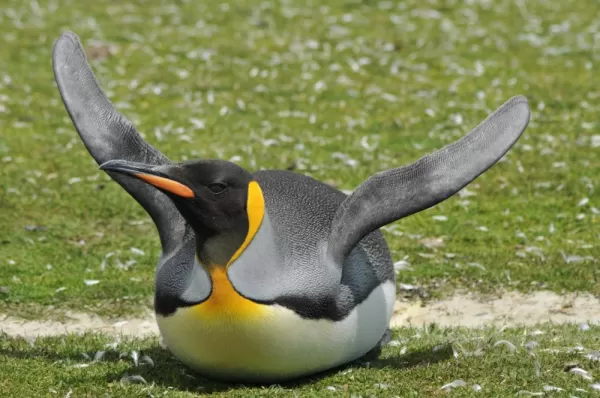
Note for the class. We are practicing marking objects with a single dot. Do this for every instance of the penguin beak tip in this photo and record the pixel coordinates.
(111, 165)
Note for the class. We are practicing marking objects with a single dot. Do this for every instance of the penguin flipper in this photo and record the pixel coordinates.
(390, 195)
(108, 135)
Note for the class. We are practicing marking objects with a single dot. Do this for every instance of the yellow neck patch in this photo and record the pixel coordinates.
(224, 302)
(255, 207)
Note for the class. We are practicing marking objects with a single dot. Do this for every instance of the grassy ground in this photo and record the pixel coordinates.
(338, 92)
(419, 363)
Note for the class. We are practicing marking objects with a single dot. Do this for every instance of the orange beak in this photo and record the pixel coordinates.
(166, 184)
(146, 174)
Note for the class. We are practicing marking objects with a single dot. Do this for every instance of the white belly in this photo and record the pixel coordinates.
(279, 344)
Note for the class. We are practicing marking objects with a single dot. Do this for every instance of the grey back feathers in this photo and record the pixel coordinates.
(291, 268)
(393, 194)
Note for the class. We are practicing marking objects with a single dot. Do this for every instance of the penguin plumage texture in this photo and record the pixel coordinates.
(272, 275)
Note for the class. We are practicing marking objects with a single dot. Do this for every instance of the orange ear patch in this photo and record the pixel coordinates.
(168, 185)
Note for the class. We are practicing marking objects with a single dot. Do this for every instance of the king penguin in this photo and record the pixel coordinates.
(272, 275)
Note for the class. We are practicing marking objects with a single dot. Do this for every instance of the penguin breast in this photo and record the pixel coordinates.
(232, 338)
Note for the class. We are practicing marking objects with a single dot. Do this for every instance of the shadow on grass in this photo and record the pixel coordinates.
(170, 372)
(423, 357)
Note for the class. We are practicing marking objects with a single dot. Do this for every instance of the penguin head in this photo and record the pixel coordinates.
(216, 197)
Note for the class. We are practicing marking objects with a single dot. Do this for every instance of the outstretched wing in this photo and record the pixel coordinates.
(108, 135)
(393, 194)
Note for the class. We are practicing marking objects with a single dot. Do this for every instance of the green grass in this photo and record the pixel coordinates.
(420, 363)
(287, 85)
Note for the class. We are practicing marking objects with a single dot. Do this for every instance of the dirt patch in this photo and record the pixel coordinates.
(79, 323)
(468, 310)
(512, 309)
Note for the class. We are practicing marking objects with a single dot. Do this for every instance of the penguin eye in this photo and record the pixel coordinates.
(216, 187)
